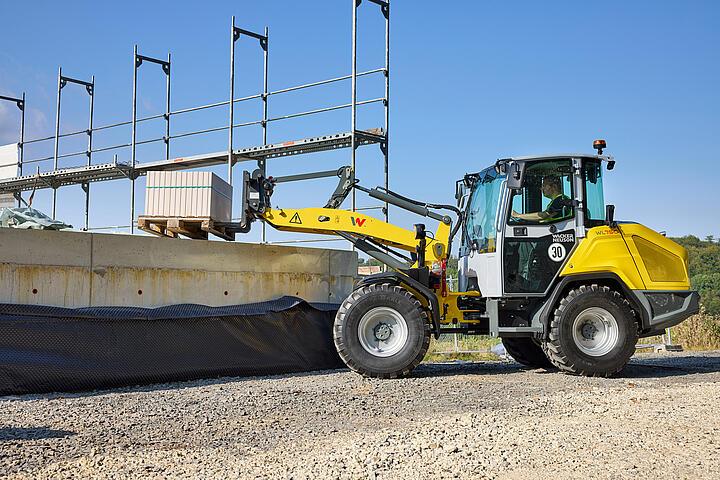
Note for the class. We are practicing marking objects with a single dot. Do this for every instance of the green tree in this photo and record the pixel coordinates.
(704, 269)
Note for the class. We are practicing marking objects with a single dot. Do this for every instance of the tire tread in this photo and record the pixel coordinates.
(552, 346)
(340, 322)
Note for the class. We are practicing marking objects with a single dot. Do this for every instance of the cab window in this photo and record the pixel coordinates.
(482, 212)
(594, 200)
(546, 195)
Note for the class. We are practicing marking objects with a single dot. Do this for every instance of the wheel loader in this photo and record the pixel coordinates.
(544, 266)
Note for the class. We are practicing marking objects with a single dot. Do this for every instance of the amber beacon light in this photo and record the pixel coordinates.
(599, 145)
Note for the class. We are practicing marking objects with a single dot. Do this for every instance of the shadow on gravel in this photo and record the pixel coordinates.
(425, 370)
(157, 387)
(32, 433)
(670, 365)
(640, 366)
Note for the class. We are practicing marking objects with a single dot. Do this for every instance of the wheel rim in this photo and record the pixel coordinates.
(595, 331)
(382, 331)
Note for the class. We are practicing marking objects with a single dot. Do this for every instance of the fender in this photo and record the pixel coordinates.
(584, 278)
(397, 278)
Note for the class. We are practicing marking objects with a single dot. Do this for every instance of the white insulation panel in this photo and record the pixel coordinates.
(188, 195)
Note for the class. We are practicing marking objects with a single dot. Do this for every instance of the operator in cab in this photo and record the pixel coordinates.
(556, 209)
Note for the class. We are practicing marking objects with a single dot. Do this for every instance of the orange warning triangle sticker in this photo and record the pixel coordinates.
(296, 219)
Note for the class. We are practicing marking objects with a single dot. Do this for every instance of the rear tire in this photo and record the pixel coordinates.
(527, 351)
(593, 332)
(381, 331)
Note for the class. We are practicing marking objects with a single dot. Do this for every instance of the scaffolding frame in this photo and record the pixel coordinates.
(84, 175)
(20, 103)
(63, 81)
(236, 33)
(138, 60)
(384, 146)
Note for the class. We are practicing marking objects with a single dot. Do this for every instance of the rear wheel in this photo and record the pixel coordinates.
(382, 331)
(526, 351)
(593, 332)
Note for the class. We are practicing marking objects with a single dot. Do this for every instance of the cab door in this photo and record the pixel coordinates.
(539, 227)
(483, 246)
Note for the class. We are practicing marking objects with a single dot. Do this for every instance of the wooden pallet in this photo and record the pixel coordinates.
(195, 228)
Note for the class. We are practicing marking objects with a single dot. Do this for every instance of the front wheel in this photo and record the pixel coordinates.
(382, 331)
(593, 332)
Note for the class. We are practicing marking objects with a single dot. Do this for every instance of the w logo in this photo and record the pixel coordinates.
(358, 221)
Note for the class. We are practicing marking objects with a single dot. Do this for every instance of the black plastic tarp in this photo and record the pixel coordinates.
(47, 349)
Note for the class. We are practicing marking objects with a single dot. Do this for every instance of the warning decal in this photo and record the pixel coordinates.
(296, 219)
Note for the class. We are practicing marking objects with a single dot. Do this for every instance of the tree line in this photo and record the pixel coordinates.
(704, 269)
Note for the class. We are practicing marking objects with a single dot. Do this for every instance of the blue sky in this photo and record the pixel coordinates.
(471, 82)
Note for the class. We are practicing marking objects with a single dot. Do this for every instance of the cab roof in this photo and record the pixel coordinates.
(492, 171)
(530, 158)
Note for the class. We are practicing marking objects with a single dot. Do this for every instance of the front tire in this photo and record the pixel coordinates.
(593, 332)
(382, 331)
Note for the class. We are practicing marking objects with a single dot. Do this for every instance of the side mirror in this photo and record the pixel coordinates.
(610, 216)
(515, 175)
(592, 171)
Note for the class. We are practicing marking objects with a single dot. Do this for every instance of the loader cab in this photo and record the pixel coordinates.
(523, 218)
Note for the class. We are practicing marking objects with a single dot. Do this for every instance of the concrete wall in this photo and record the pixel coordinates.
(77, 269)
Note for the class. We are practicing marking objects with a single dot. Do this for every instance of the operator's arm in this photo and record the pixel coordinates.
(534, 216)
(554, 210)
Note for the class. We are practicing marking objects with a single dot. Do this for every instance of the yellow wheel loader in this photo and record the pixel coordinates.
(543, 265)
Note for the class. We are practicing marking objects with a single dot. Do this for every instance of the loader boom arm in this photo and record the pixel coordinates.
(377, 238)
(332, 221)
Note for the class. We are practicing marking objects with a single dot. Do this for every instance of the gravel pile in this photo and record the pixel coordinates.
(469, 420)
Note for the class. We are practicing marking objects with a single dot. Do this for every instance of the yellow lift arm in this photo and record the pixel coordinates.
(332, 221)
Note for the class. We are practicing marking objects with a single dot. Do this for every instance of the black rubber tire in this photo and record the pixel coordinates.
(346, 331)
(560, 346)
(527, 351)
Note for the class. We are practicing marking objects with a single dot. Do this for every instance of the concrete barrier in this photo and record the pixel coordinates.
(77, 269)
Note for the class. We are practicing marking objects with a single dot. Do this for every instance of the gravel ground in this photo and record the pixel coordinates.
(469, 420)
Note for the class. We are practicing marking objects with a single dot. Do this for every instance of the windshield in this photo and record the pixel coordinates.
(482, 211)
(546, 194)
